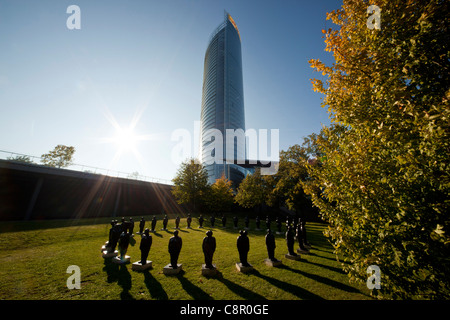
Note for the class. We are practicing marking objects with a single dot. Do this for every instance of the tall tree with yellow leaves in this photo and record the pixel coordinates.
(385, 174)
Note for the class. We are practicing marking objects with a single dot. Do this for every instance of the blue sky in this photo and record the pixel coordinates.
(141, 62)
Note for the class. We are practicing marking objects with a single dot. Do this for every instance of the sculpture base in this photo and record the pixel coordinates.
(164, 229)
(107, 254)
(271, 263)
(188, 228)
(118, 260)
(288, 256)
(302, 251)
(168, 270)
(279, 232)
(209, 272)
(243, 269)
(137, 266)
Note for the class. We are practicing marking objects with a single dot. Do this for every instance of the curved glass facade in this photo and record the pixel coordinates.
(223, 102)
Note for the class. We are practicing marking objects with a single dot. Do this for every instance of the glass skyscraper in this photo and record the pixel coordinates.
(223, 103)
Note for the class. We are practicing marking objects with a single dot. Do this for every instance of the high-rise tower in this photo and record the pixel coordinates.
(223, 100)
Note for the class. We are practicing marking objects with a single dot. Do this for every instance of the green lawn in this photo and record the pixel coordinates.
(35, 256)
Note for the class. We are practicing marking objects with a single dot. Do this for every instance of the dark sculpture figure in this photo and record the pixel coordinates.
(146, 243)
(224, 221)
(175, 244)
(299, 235)
(258, 222)
(246, 221)
(290, 241)
(270, 244)
(115, 232)
(305, 240)
(200, 221)
(209, 246)
(166, 219)
(111, 231)
(212, 220)
(123, 224)
(131, 226)
(267, 222)
(243, 245)
(278, 224)
(124, 241)
(177, 222)
(153, 223)
(294, 222)
(141, 225)
(189, 220)
(235, 222)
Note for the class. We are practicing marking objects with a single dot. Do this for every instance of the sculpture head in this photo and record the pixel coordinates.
(209, 233)
(269, 231)
(175, 233)
(146, 232)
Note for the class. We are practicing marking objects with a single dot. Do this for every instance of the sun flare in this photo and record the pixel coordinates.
(125, 139)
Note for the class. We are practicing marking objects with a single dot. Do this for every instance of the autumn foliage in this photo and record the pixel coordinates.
(383, 183)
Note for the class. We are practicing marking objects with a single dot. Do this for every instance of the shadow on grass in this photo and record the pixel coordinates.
(121, 275)
(288, 287)
(125, 282)
(330, 282)
(239, 290)
(194, 291)
(156, 233)
(334, 269)
(154, 287)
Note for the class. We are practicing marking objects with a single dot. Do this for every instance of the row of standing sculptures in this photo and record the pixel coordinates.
(212, 220)
(120, 234)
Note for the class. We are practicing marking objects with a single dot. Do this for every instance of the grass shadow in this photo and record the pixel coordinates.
(112, 271)
(194, 291)
(288, 287)
(124, 281)
(154, 287)
(156, 234)
(329, 282)
(333, 269)
(121, 275)
(238, 289)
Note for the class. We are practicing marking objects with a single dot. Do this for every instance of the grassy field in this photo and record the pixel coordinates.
(35, 256)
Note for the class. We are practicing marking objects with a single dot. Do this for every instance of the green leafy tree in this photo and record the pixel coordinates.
(221, 195)
(251, 191)
(191, 184)
(289, 182)
(60, 157)
(385, 169)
